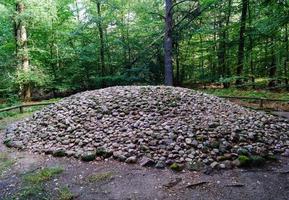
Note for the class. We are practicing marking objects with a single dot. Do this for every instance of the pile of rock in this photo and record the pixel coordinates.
(152, 125)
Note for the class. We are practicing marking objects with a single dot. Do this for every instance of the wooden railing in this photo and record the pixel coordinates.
(258, 99)
(22, 106)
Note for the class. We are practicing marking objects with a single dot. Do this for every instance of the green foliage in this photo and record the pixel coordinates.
(100, 177)
(31, 192)
(34, 184)
(65, 194)
(33, 76)
(64, 44)
(42, 175)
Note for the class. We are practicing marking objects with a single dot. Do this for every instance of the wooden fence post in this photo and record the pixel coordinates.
(261, 103)
(21, 109)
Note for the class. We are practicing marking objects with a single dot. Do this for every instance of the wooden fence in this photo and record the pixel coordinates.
(260, 100)
(22, 106)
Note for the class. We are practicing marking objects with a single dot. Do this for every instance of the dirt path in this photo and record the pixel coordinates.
(113, 180)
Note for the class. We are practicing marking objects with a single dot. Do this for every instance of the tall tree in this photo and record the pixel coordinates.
(101, 38)
(286, 63)
(168, 45)
(240, 64)
(22, 51)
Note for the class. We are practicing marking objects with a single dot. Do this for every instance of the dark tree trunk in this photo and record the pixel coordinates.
(286, 59)
(240, 64)
(224, 70)
(101, 39)
(178, 83)
(202, 62)
(221, 51)
(227, 69)
(168, 46)
(251, 43)
(214, 74)
(273, 67)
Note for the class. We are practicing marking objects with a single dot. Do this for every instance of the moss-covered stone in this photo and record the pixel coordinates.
(8, 143)
(257, 161)
(59, 153)
(101, 151)
(176, 167)
(243, 151)
(244, 161)
(89, 156)
(195, 166)
(272, 158)
(222, 158)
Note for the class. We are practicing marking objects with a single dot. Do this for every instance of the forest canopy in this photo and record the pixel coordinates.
(54, 47)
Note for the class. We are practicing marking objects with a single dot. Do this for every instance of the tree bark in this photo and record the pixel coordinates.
(22, 57)
(273, 67)
(168, 46)
(227, 64)
(286, 59)
(177, 56)
(101, 39)
(251, 43)
(240, 64)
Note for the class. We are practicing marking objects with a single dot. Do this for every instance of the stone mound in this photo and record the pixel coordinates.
(155, 125)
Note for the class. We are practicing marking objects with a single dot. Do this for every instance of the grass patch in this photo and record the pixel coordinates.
(5, 163)
(34, 184)
(32, 192)
(65, 194)
(42, 175)
(100, 177)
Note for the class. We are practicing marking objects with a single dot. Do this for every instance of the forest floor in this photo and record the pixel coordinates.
(248, 93)
(30, 176)
(268, 105)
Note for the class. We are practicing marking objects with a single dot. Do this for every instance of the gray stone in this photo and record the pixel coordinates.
(160, 165)
(147, 162)
(131, 160)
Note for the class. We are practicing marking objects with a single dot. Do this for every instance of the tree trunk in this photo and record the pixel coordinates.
(286, 59)
(101, 39)
(168, 46)
(22, 57)
(273, 67)
(202, 62)
(240, 64)
(214, 74)
(177, 63)
(227, 63)
(251, 43)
